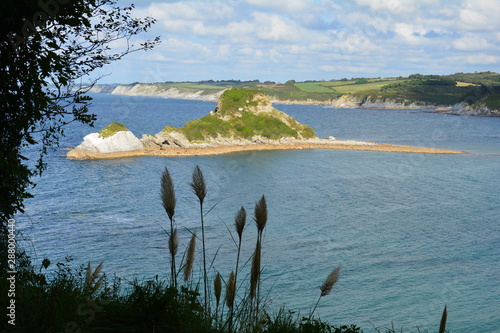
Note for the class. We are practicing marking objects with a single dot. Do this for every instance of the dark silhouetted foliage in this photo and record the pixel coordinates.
(45, 48)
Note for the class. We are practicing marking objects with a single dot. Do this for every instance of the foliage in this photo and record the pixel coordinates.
(413, 83)
(233, 118)
(207, 126)
(112, 129)
(46, 47)
(361, 81)
(492, 100)
(234, 99)
(441, 91)
(58, 302)
(264, 125)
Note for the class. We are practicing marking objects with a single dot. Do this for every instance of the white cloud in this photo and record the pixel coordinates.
(410, 33)
(396, 6)
(278, 29)
(480, 15)
(471, 43)
(393, 6)
(328, 68)
(282, 38)
(482, 59)
(282, 5)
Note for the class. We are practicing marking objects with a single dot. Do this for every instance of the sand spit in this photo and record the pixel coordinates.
(204, 150)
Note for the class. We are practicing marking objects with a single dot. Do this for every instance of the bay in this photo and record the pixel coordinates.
(413, 232)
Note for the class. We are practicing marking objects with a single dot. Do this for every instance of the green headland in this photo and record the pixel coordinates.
(459, 90)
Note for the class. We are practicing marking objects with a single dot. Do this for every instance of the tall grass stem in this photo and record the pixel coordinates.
(200, 190)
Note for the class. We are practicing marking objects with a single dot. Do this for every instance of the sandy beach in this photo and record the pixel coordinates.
(227, 149)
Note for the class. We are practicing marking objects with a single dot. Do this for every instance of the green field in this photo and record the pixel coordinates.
(200, 86)
(473, 88)
(350, 87)
(313, 87)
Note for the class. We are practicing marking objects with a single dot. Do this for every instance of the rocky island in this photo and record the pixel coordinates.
(242, 120)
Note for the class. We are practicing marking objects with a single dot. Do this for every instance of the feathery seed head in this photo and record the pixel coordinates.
(168, 194)
(240, 220)
(91, 285)
(198, 184)
(230, 290)
(173, 242)
(190, 257)
(217, 288)
(261, 213)
(97, 284)
(98, 269)
(332, 278)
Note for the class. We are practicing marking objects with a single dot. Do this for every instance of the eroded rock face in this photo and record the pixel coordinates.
(473, 110)
(173, 139)
(121, 141)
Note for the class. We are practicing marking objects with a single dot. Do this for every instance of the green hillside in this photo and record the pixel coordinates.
(243, 114)
(472, 88)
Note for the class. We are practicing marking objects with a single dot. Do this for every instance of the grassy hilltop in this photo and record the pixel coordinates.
(243, 114)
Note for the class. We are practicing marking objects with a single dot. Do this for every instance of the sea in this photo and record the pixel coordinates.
(413, 233)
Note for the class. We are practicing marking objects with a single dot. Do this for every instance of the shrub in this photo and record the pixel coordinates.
(112, 129)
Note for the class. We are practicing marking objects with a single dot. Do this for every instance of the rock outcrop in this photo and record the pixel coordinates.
(99, 143)
(464, 109)
(240, 117)
(164, 90)
(376, 102)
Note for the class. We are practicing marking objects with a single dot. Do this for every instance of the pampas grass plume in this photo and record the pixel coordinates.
(261, 214)
(90, 277)
(190, 257)
(240, 221)
(198, 184)
(217, 288)
(173, 242)
(230, 290)
(168, 194)
(332, 278)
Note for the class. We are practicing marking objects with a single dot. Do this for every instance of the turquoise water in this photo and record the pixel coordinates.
(413, 232)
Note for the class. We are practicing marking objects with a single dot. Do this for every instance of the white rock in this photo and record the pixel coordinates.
(120, 141)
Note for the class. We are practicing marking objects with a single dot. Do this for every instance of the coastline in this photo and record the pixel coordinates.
(201, 150)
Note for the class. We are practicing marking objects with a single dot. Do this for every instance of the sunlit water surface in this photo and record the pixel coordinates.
(413, 232)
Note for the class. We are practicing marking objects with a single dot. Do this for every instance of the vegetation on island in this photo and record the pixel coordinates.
(112, 129)
(240, 115)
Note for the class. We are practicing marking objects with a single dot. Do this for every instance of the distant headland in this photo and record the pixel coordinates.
(474, 94)
(243, 120)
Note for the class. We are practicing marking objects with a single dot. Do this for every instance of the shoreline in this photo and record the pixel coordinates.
(78, 154)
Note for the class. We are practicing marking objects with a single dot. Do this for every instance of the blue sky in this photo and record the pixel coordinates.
(279, 40)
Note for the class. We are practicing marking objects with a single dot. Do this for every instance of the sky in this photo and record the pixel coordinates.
(280, 40)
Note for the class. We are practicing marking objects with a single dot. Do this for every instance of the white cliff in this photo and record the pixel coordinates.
(94, 143)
